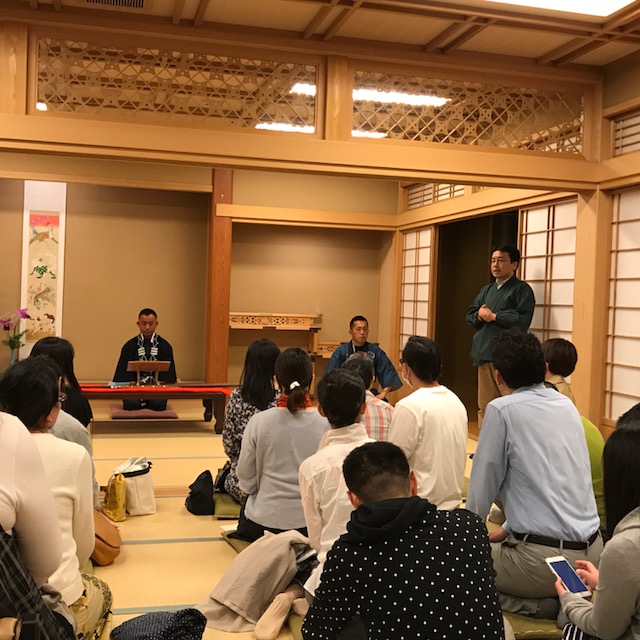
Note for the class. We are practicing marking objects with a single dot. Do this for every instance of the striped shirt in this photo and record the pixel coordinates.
(377, 417)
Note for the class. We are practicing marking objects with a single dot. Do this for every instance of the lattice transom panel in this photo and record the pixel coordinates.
(470, 113)
(86, 77)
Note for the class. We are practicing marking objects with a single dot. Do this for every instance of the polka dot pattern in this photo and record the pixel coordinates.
(434, 580)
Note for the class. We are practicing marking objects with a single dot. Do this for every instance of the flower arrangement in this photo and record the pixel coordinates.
(10, 322)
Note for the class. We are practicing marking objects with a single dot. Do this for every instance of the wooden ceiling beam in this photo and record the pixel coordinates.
(200, 11)
(470, 33)
(178, 8)
(318, 19)
(580, 51)
(33, 4)
(345, 14)
(551, 57)
(57, 5)
(448, 34)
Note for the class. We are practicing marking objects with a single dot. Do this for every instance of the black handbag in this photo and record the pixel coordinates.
(200, 498)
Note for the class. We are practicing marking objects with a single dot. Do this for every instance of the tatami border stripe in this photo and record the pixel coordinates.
(173, 540)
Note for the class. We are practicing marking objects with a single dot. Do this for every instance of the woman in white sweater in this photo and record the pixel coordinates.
(614, 613)
(30, 390)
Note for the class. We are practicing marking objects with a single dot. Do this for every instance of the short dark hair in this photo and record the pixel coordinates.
(518, 356)
(291, 366)
(340, 394)
(62, 353)
(29, 390)
(362, 365)
(357, 319)
(256, 381)
(377, 471)
(629, 416)
(560, 355)
(423, 357)
(511, 249)
(147, 312)
(621, 470)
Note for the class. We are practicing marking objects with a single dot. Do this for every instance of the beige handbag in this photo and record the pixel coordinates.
(141, 499)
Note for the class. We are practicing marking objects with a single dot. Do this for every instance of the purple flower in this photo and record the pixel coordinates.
(22, 314)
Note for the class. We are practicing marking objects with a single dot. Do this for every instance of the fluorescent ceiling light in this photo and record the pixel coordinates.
(292, 128)
(600, 8)
(368, 134)
(41, 106)
(395, 97)
(285, 126)
(373, 95)
(304, 89)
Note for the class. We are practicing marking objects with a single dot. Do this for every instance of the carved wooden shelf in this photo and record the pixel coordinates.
(326, 349)
(280, 321)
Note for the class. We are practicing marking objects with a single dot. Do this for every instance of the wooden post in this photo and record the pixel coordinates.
(13, 68)
(338, 99)
(590, 302)
(218, 281)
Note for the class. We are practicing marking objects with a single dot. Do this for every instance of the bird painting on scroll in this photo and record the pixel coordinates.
(42, 274)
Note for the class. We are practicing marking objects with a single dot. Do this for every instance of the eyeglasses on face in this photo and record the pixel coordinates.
(499, 261)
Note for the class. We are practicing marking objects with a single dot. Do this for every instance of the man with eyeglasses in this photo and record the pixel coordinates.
(506, 302)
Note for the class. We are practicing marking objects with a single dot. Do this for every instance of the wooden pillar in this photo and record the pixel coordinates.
(13, 68)
(338, 102)
(218, 282)
(590, 302)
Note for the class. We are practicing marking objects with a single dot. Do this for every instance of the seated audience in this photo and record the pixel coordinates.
(68, 428)
(62, 353)
(408, 569)
(533, 453)
(146, 346)
(255, 393)
(324, 493)
(614, 613)
(378, 413)
(31, 390)
(561, 358)
(430, 426)
(27, 508)
(274, 445)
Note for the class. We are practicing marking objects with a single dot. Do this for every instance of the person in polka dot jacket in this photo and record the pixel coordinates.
(407, 569)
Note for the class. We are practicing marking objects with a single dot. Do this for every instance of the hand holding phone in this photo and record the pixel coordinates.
(571, 580)
(588, 573)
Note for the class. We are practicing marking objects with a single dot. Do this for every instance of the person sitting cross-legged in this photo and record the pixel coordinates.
(378, 413)
(31, 390)
(408, 569)
(532, 453)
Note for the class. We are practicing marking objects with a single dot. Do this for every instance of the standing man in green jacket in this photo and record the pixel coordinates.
(506, 302)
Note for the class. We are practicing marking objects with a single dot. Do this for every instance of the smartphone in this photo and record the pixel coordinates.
(571, 580)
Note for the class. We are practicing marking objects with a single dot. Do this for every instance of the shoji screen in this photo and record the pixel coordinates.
(548, 247)
(622, 389)
(416, 277)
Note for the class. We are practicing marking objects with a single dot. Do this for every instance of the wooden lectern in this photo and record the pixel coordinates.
(153, 366)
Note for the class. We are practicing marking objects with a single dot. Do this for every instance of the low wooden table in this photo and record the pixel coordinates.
(214, 396)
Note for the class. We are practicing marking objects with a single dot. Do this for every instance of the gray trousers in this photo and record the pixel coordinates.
(523, 577)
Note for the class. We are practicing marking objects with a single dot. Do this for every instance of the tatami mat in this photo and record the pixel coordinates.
(171, 559)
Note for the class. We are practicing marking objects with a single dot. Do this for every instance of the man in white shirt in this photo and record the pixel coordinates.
(326, 506)
(431, 426)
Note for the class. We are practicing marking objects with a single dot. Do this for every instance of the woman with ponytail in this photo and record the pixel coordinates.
(274, 444)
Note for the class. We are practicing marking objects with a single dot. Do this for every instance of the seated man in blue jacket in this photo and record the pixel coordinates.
(386, 373)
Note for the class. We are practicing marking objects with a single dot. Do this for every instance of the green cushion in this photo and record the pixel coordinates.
(295, 625)
(238, 545)
(526, 627)
(225, 506)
